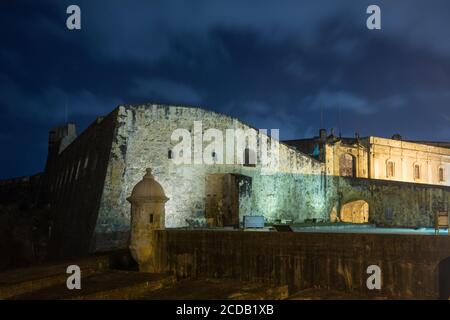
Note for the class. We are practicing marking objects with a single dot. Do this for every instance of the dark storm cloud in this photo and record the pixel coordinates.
(275, 64)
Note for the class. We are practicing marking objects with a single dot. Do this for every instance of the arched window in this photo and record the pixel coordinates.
(441, 174)
(417, 172)
(390, 169)
(170, 154)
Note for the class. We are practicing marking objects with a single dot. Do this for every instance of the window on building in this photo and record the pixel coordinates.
(390, 169)
(441, 175)
(416, 172)
(151, 218)
(170, 154)
(249, 158)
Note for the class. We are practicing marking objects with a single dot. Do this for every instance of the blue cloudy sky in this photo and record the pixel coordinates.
(270, 63)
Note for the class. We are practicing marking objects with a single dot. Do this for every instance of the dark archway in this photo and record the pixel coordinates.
(444, 279)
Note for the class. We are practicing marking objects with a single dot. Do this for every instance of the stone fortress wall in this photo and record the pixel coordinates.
(297, 190)
(88, 178)
(75, 178)
(393, 203)
(21, 190)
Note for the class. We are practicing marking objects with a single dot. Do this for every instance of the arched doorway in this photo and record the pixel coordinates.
(347, 165)
(444, 279)
(355, 212)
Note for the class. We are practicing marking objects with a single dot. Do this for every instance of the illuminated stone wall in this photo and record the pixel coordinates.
(334, 152)
(297, 190)
(90, 180)
(355, 212)
(394, 203)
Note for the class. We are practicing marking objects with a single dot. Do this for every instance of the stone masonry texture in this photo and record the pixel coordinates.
(91, 178)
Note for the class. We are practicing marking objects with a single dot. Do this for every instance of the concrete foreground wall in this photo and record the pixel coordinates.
(409, 264)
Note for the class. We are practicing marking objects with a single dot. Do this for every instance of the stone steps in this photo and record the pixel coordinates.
(329, 294)
(26, 280)
(217, 289)
(100, 281)
(107, 285)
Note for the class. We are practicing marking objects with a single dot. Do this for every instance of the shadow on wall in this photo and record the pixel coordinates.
(23, 235)
(444, 279)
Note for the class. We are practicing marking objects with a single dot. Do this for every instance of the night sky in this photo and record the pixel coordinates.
(272, 64)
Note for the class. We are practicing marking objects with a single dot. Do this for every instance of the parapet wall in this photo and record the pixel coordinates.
(395, 203)
(409, 264)
(21, 190)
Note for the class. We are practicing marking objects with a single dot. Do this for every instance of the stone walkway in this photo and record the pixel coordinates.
(100, 282)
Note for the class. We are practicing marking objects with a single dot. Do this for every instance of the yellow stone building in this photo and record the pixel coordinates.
(380, 158)
(389, 159)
